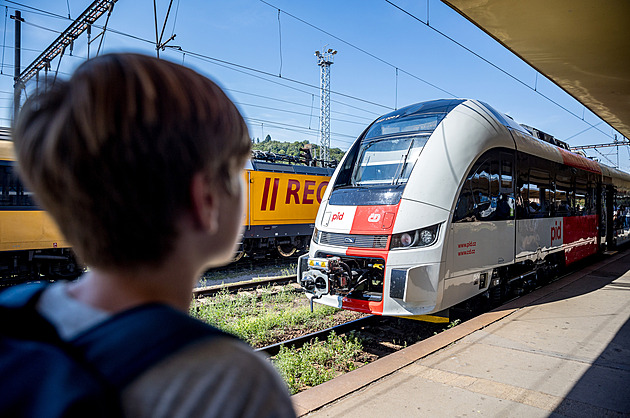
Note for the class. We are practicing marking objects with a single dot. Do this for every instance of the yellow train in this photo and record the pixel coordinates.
(282, 202)
(31, 245)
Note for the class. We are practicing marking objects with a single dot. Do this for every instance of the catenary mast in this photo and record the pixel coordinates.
(324, 60)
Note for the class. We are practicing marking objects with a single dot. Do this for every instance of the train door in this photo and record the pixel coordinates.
(483, 227)
(599, 204)
(606, 215)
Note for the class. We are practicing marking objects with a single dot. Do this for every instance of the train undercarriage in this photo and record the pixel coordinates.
(283, 247)
(363, 279)
(46, 264)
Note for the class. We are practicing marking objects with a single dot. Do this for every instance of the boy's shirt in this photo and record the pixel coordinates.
(220, 377)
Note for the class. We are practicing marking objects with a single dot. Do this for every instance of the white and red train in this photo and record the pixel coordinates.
(442, 201)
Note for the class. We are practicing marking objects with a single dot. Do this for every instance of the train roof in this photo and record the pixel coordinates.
(528, 139)
(432, 106)
(288, 168)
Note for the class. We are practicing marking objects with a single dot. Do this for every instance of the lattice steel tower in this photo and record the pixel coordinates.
(324, 60)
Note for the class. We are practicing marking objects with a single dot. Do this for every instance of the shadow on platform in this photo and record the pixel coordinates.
(606, 384)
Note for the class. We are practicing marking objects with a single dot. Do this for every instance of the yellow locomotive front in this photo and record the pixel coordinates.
(282, 202)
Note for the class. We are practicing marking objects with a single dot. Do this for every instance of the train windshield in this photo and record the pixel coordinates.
(387, 161)
(397, 126)
(377, 167)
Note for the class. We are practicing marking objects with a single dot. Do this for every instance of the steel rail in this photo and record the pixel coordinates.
(298, 342)
(244, 285)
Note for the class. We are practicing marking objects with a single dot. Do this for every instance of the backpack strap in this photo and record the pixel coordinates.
(22, 295)
(18, 304)
(118, 349)
(128, 343)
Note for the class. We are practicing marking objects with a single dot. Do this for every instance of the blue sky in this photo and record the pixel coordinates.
(267, 65)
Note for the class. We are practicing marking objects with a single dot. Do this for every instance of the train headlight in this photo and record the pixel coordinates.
(418, 238)
(406, 239)
(427, 236)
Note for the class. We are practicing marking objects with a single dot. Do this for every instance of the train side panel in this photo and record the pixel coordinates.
(284, 198)
(29, 230)
(281, 206)
(488, 207)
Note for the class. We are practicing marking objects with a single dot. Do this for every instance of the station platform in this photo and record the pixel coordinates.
(562, 350)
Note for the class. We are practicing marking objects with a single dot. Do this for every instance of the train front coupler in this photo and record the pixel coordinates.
(325, 276)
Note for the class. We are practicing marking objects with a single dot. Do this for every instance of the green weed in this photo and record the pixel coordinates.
(316, 362)
(261, 320)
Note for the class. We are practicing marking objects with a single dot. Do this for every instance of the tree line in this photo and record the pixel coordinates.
(293, 148)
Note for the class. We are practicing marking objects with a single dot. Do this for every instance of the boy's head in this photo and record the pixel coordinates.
(111, 153)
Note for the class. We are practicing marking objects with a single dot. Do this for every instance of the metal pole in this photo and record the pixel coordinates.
(17, 86)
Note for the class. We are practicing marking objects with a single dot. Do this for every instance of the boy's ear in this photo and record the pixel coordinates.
(205, 204)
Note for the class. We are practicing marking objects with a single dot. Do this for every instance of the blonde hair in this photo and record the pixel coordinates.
(111, 153)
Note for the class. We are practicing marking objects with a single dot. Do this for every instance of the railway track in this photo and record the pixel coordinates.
(298, 342)
(208, 291)
(380, 335)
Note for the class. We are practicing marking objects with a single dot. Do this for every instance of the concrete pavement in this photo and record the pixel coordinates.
(563, 350)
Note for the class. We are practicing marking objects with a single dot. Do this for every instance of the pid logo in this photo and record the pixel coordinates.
(337, 217)
(374, 217)
(556, 232)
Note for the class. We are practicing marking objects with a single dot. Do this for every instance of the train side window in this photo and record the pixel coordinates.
(505, 202)
(540, 195)
(522, 185)
(506, 173)
(12, 192)
(487, 193)
(585, 193)
(581, 197)
(564, 195)
(475, 195)
(591, 199)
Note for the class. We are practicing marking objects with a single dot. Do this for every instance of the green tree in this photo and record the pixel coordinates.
(293, 148)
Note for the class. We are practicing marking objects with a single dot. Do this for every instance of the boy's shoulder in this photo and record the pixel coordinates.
(92, 369)
(220, 377)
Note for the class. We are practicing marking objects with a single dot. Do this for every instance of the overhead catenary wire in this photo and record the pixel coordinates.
(34, 10)
(492, 64)
(294, 112)
(294, 103)
(45, 12)
(606, 157)
(301, 128)
(175, 18)
(203, 56)
(358, 48)
(346, 104)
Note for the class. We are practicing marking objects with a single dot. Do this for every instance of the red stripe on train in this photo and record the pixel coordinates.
(580, 237)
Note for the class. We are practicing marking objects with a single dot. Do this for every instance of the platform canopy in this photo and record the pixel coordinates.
(581, 45)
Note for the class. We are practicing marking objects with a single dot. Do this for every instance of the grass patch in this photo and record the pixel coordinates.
(318, 362)
(263, 318)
